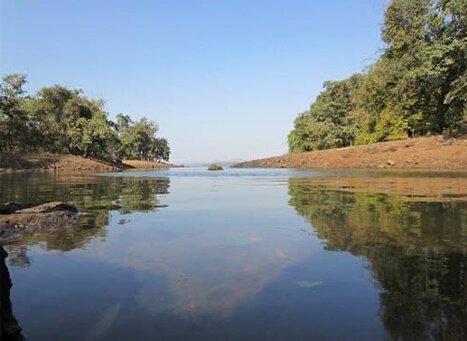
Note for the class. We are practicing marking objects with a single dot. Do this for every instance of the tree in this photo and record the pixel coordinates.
(417, 87)
(162, 150)
(61, 120)
(330, 121)
(139, 141)
(15, 126)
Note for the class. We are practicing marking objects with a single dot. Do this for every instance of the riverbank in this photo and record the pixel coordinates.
(142, 164)
(431, 153)
(71, 163)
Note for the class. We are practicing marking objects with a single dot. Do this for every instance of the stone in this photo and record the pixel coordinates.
(215, 167)
(17, 219)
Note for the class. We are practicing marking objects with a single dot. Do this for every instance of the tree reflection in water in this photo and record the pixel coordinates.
(95, 197)
(414, 238)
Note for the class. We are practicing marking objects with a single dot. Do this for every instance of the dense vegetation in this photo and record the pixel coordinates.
(417, 87)
(61, 120)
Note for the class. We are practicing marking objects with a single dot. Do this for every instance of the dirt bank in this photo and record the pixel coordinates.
(436, 153)
(141, 164)
(70, 163)
(58, 162)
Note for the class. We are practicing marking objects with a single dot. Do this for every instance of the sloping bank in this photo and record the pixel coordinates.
(71, 163)
(436, 153)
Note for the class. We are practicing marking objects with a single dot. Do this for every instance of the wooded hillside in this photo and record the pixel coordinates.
(417, 87)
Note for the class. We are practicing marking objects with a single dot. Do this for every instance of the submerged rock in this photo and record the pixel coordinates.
(21, 219)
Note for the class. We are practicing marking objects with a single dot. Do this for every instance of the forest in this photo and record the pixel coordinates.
(417, 86)
(59, 120)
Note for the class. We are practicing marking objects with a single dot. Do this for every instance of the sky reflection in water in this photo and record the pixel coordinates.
(245, 254)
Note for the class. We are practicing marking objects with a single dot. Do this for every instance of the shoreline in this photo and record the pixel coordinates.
(435, 153)
(71, 163)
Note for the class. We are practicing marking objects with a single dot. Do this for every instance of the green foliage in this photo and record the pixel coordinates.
(14, 124)
(139, 141)
(161, 149)
(330, 121)
(61, 120)
(417, 87)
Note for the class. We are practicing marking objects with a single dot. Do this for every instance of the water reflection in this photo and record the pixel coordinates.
(413, 233)
(9, 327)
(228, 257)
(95, 197)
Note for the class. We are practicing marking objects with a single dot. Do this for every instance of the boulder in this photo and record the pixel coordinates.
(17, 219)
(54, 206)
(215, 167)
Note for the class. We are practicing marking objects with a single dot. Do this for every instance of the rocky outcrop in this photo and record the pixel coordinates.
(9, 327)
(215, 167)
(18, 219)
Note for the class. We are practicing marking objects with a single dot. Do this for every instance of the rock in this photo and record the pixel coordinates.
(17, 219)
(48, 207)
(215, 167)
(391, 162)
(390, 149)
(449, 142)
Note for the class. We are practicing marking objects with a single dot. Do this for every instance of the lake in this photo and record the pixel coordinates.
(241, 254)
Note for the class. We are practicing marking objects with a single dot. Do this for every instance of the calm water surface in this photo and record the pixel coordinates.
(188, 254)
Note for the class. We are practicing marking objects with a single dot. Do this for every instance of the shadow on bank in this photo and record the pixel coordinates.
(413, 234)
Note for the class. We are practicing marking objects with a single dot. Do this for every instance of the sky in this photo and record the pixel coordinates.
(224, 79)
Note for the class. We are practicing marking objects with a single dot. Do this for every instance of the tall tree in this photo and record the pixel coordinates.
(62, 120)
(14, 123)
(418, 86)
(330, 122)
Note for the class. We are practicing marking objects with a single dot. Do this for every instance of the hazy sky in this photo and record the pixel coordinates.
(223, 78)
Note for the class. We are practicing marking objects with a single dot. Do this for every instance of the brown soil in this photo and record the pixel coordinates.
(140, 164)
(70, 163)
(60, 162)
(437, 153)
